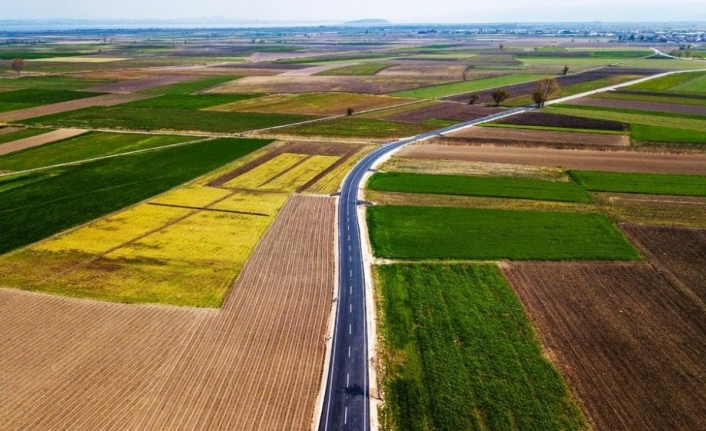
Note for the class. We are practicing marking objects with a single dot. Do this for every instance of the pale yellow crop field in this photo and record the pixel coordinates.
(253, 202)
(263, 173)
(300, 174)
(112, 231)
(205, 238)
(192, 196)
(331, 182)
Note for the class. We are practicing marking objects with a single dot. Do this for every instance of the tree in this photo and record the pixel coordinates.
(499, 96)
(473, 99)
(501, 46)
(17, 65)
(544, 90)
(565, 70)
(349, 111)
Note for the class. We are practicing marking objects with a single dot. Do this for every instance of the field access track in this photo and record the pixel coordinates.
(35, 141)
(615, 161)
(629, 343)
(255, 364)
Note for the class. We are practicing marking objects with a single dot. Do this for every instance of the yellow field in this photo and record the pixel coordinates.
(331, 182)
(108, 233)
(253, 202)
(300, 174)
(263, 173)
(192, 196)
(206, 238)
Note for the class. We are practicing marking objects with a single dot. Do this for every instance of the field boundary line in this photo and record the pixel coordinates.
(94, 159)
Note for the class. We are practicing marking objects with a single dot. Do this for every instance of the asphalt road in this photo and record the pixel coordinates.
(346, 401)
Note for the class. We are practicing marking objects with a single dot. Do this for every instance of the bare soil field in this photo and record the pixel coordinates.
(35, 141)
(460, 167)
(280, 67)
(137, 85)
(615, 161)
(534, 118)
(641, 106)
(255, 364)
(628, 342)
(653, 209)
(55, 108)
(313, 70)
(528, 136)
(312, 84)
(8, 130)
(444, 111)
(442, 71)
(677, 251)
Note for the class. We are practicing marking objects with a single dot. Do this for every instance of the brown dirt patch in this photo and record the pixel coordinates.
(641, 106)
(8, 130)
(629, 343)
(35, 141)
(528, 136)
(136, 85)
(616, 161)
(677, 251)
(254, 364)
(55, 108)
(445, 111)
(653, 209)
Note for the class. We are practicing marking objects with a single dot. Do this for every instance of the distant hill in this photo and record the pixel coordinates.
(366, 22)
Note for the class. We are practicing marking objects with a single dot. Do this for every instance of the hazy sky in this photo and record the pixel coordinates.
(341, 10)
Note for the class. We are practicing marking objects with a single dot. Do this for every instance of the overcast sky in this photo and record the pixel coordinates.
(341, 10)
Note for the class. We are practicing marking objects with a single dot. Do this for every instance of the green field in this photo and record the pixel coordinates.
(356, 69)
(660, 184)
(36, 206)
(671, 98)
(358, 128)
(444, 90)
(50, 82)
(501, 187)
(21, 134)
(459, 354)
(192, 86)
(664, 83)
(36, 55)
(694, 85)
(127, 118)
(408, 232)
(641, 133)
(83, 147)
(185, 101)
(31, 97)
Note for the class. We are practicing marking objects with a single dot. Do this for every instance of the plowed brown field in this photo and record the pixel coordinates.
(677, 251)
(55, 108)
(135, 85)
(641, 106)
(629, 343)
(617, 161)
(528, 136)
(253, 365)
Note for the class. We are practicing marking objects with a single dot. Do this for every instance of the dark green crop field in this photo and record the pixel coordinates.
(36, 206)
(128, 118)
(86, 146)
(408, 232)
(502, 187)
(659, 184)
(460, 354)
(31, 97)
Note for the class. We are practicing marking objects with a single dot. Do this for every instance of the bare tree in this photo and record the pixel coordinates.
(565, 70)
(499, 96)
(473, 99)
(544, 90)
(18, 65)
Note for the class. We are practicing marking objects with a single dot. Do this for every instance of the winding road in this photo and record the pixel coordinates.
(346, 402)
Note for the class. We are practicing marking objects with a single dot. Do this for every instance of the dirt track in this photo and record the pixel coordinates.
(253, 365)
(500, 135)
(618, 161)
(629, 343)
(55, 108)
(35, 141)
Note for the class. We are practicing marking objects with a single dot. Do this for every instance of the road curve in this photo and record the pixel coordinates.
(346, 402)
